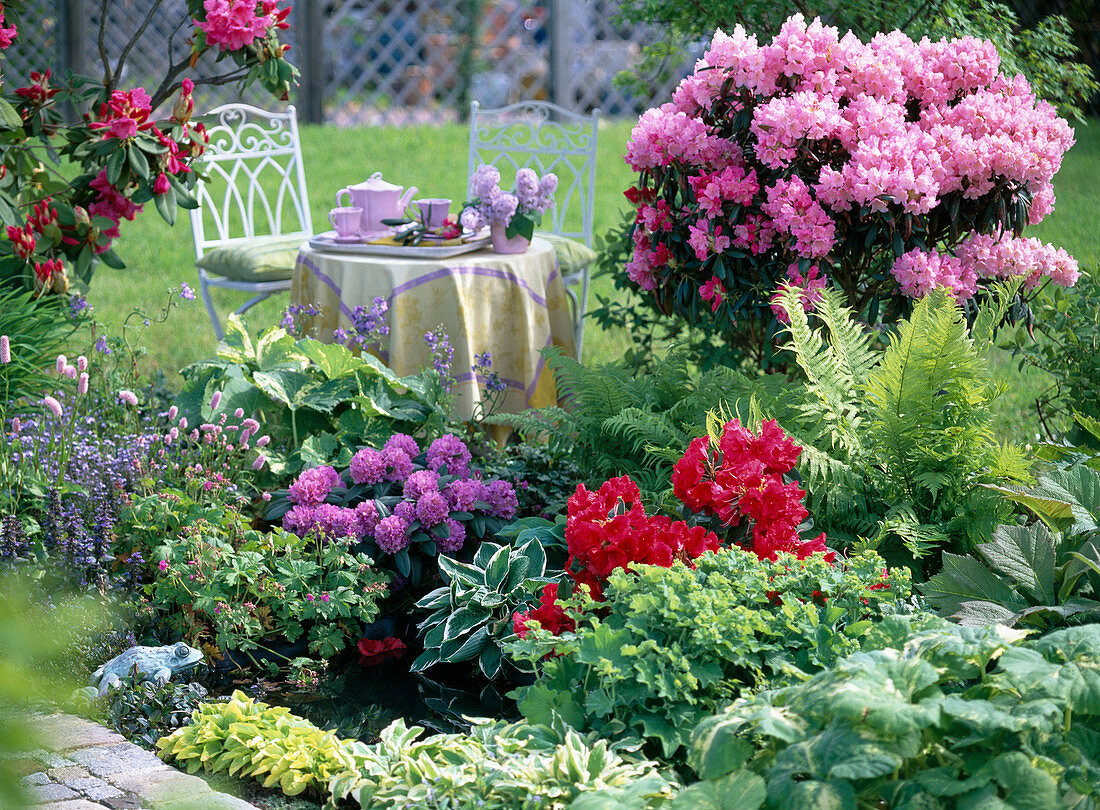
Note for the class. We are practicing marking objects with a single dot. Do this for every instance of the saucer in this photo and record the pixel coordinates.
(347, 240)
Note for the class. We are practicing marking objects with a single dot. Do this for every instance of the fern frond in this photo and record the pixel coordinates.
(835, 369)
(643, 432)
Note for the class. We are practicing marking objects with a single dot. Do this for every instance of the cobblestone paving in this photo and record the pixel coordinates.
(85, 766)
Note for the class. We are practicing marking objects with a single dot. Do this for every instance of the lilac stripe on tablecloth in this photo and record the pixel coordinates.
(331, 284)
(491, 272)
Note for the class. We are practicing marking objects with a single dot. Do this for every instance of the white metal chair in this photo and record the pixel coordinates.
(549, 138)
(253, 207)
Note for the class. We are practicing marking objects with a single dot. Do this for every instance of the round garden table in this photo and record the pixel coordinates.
(509, 305)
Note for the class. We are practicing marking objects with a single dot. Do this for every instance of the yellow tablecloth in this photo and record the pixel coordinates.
(509, 305)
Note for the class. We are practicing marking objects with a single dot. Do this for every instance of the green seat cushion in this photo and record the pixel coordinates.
(265, 258)
(573, 256)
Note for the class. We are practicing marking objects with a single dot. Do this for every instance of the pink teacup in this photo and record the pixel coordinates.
(433, 211)
(346, 220)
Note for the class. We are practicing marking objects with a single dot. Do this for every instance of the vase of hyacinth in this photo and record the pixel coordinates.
(502, 243)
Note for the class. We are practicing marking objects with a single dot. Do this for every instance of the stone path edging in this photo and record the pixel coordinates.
(88, 767)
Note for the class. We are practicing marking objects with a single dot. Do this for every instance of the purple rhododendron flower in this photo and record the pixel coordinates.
(390, 534)
(420, 482)
(455, 538)
(313, 486)
(432, 508)
(464, 493)
(450, 450)
(300, 519)
(406, 510)
(336, 521)
(398, 462)
(367, 466)
(403, 442)
(367, 515)
(502, 499)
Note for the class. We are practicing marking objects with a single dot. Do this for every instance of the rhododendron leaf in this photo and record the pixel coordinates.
(401, 559)
(115, 164)
(9, 116)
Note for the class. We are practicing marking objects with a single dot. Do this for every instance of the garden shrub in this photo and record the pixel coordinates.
(403, 505)
(884, 169)
(931, 715)
(1045, 54)
(224, 586)
(318, 401)
(669, 646)
(144, 711)
(1068, 349)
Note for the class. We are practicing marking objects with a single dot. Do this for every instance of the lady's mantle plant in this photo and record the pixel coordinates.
(887, 168)
(398, 500)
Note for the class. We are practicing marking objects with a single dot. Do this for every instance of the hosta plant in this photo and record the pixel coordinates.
(931, 715)
(668, 646)
(248, 738)
(471, 614)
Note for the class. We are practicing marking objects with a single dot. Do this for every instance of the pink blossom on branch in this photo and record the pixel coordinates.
(8, 34)
(231, 25)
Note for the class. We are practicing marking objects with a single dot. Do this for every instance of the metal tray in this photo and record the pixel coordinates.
(328, 244)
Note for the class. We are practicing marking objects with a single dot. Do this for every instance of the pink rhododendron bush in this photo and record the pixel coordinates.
(887, 168)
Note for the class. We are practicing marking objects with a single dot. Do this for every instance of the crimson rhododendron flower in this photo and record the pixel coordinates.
(39, 90)
(549, 614)
(125, 114)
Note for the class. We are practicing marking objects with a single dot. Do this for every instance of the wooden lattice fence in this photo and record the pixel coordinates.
(373, 61)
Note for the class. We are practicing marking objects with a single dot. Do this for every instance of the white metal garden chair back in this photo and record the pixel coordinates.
(546, 138)
(255, 189)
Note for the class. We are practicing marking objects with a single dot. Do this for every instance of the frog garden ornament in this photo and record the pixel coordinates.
(158, 664)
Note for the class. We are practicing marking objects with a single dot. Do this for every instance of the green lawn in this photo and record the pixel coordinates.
(434, 160)
(431, 158)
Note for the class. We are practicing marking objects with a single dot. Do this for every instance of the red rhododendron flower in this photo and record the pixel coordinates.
(125, 114)
(550, 615)
(7, 35)
(22, 240)
(39, 90)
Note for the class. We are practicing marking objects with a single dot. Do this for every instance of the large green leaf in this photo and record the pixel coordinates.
(236, 346)
(333, 359)
(1027, 555)
(966, 579)
(1026, 787)
(742, 790)
(325, 396)
(462, 621)
(285, 387)
(497, 569)
(276, 350)
(463, 572)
